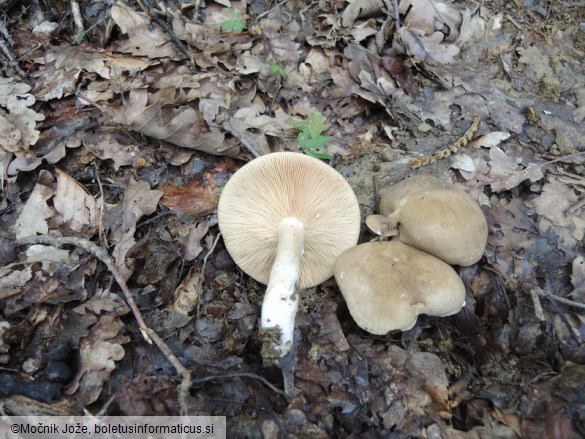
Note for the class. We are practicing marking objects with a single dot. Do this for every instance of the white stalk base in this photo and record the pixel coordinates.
(281, 300)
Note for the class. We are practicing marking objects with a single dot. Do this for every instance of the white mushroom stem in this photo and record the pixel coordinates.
(281, 299)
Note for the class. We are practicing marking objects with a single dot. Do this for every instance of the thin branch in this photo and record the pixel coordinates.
(560, 299)
(241, 375)
(100, 253)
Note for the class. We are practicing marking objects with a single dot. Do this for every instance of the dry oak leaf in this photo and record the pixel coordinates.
(112, 143)
(145, 38)
(17, 120)
(431, 16)
(182, 126)
(47, 274)
(98, 352)
(139, 200)
(32, 219)
(360, 9)
(77, 206)
(554, 206)
(425, 48)
(505, 172)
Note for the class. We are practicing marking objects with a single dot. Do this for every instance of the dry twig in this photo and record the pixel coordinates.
(148, 334)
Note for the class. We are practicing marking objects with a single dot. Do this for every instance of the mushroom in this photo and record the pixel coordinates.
(285, 218)
(434, 216)
(388, 284)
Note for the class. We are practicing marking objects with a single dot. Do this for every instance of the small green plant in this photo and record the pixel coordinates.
(310, 138)
(275, 68)
(235, 25)
(79, 37)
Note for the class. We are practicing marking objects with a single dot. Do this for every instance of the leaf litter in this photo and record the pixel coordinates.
(121, 139)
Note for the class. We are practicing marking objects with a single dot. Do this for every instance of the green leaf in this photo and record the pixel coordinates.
(236, 25)
(303, 138)
(318, 155)
(317, 142)
(275, 68)
(315, 124)
(79, 37)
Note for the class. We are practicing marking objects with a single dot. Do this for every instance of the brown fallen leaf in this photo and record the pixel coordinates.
(98, 353)
(554, 206)
(17, 120)
(425, 48)
(139, 200)
(431, 16)
(182, 125)
(142, 33)
(75, 204)
(32, 219)
(360, 9)
(111, 143)
(192, 200)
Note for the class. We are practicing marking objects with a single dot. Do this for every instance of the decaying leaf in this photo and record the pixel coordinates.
(506, 172)
(538, 62)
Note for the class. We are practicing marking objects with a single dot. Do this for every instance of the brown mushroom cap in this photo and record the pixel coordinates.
(281, 185)
(388, 284)
(437, 217)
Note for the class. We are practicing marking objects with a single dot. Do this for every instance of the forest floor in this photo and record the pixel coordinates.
(120, 122)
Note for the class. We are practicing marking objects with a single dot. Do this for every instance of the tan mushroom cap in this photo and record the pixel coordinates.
(280, 185)
(386, 285)
(437, 217)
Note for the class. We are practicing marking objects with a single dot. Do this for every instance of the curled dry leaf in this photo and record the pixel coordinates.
(75, 204)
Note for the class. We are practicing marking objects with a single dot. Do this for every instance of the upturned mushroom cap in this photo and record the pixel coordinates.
(386, 285)
(437, 217)
(281, 185)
